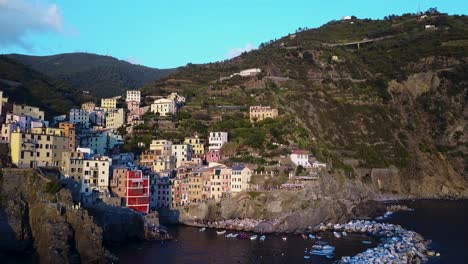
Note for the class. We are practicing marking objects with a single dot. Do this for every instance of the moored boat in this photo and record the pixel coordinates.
(221, 232)
(202, 229)
(284, 238)
(337, 234)
(262, 238)
(254, 237)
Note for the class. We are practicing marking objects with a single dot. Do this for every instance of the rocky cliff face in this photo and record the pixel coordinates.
(40, 214)
(327, 200)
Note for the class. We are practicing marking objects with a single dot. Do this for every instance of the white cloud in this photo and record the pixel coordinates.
(18, 18)
(232, 53)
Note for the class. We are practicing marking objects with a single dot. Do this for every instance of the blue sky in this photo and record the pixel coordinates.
(173, 33)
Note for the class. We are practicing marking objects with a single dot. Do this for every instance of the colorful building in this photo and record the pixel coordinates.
(137, 191)
(198, 147)
(109, 103)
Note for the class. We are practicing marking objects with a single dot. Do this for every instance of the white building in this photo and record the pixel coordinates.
(318, 165)
(346, 17)
(133, 95)
(300, 158)
(115, 118)
(164, 107)
(250, 72)
(79, 117)
(96, 175)
(181, 152)
(240, 178)
(216, 140)
(164, 146)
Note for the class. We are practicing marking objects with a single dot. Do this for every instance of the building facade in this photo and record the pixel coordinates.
(258, 113)
(79, 117)
(38, 147)
(137, 191)
(109, 103)
(133, 95)
(31, 111)
(163, 107)
(115, 118)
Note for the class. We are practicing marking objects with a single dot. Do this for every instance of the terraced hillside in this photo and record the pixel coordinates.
(391, 111)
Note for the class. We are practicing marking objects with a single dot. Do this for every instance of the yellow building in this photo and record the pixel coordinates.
(258, 113)
(195, 187)
(88, 106)
(109, 103)
(38, 147)
(164, 163)
(161, 145)
(115, 118)
(197, 145)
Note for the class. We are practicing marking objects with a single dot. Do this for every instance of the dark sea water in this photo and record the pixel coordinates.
(191, 246)
(443, 222)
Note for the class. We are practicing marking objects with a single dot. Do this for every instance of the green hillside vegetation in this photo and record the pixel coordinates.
(396, 102)
(36, 89)
(101, 75)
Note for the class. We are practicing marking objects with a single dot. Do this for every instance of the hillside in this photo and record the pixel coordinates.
(101, 75)
(391, 112)
(23, 85)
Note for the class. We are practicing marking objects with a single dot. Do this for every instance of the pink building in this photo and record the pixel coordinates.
(213, 155)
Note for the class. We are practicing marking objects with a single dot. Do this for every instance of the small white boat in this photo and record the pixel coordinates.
(221, 232)
(367, 242)
(254, 237)
(262, 238)
(285, 238)
(306, 257)
(337, 235)
(344, 233)
(311, 236)
(202, 229)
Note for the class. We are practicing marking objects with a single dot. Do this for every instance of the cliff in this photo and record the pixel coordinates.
(41, 214)
(327, 200)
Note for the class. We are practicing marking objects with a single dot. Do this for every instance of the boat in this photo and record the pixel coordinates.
(202, 229)
(344, 233)
(304, 236)
(243, 236)
(285, 238)
(254, 237)
(337, 234)
(306, 257)
(262, 238)
(311, 236)
(221, 232)
(328, 247)
(367, 242)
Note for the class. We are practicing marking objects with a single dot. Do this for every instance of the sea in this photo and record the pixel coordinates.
(443, 222)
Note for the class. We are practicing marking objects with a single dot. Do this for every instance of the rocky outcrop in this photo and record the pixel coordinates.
(37, 212)
(330, 199)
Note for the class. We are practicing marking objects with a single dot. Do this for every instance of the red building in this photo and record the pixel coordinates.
(137, 194)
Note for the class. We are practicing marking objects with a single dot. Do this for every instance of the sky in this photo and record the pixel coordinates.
(172, 33)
